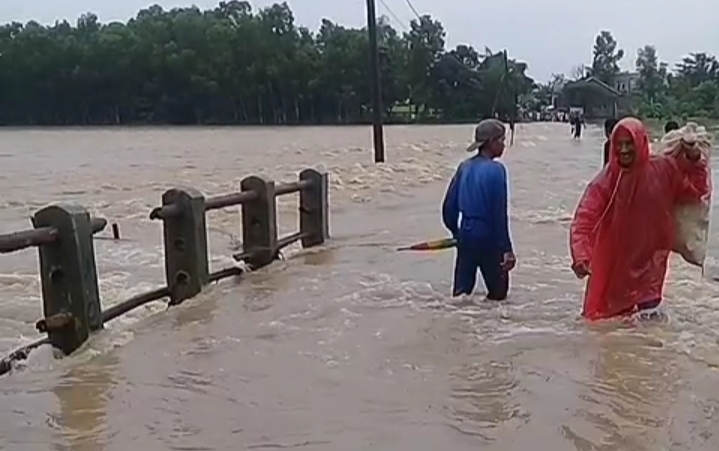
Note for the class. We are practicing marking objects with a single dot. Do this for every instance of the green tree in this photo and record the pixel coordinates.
(698, 68)
(606, 57)
(544, 95)
(652, 74)
(691, 90)
(425, 46)
(235, 65)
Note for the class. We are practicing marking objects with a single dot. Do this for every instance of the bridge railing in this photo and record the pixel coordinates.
(63, 234)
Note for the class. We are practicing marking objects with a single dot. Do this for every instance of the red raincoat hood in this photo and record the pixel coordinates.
(640, 137)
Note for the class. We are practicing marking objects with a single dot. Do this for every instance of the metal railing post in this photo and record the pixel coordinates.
(185, 236)
(68, 273)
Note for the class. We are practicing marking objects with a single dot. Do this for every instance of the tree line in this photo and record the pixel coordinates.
(689, 89)
(235, 65)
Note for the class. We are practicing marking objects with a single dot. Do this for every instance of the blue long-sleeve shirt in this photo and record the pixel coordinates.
(478, 191)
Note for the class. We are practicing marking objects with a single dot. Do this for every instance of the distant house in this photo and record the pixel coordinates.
(598, 99)
(595, 97)
(556, 92)
(626, 82)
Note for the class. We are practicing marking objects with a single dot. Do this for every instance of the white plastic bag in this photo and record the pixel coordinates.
(691, 220)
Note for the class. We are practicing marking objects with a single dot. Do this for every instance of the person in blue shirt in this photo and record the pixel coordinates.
(475, 211)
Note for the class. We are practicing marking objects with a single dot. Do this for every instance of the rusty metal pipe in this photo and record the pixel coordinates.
(98, 224)
(229, 200)
(289, 239)
(157, 294)
(292, 187)
(20, 354)
(212, 203)
(133, 303)
(110, 314)
(12, 242)
(165, 212)
(55, 322)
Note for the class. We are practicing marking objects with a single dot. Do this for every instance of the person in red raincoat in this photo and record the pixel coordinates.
(623, 228)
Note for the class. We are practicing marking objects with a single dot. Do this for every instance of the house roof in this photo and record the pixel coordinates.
(596, 83)
(628, 75)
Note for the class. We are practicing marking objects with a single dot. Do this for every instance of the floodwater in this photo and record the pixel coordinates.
(350, 346)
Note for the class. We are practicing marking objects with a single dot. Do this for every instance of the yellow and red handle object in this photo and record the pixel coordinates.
(436, 245)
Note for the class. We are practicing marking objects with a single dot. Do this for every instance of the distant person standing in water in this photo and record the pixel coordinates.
(670, 126)
(475, 211)
(511, 130)
(577, 124)
(608, 128)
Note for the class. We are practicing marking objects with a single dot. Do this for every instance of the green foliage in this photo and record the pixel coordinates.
(606, 57)
(233, 65)
(692, 90)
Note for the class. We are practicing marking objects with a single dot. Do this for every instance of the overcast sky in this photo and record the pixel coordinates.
(552, 36)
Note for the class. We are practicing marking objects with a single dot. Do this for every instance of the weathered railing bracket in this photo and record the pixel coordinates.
(64, 237)
(314, 208)
(69, 275)
(259, 222)
(185, 234)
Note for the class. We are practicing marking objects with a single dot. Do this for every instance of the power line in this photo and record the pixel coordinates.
(406, 28)
(450, 54)
(504, 76)
(391, 13)
(414, 10)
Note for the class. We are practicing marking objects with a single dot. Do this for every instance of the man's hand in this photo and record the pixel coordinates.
(509, 261)
(581, 269)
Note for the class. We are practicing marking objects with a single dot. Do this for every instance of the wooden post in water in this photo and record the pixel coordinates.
(185, 235)
(259, 222)
(375, 84)
(314, 208)
(68, 273)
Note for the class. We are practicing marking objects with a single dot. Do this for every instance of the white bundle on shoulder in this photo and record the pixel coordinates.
(691, 219)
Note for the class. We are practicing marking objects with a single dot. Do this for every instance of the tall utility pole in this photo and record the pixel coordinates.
(375, 88)
(513, 94)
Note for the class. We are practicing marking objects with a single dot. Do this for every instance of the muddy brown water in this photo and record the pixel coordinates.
(351, 346)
